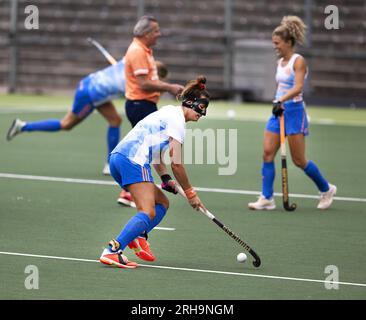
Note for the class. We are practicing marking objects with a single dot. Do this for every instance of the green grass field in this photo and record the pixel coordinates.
(61, 225)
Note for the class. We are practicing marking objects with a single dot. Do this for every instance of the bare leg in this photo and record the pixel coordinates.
(109, 112)
(146, 196)
(271, 144)
(69, 121)
(297, 149)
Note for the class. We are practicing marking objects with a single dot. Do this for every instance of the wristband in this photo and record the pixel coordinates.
(190, 193)
(165, 178)
(276, 103)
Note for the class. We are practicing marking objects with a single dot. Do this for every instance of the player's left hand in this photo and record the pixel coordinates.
(277, 109)
(168, 184)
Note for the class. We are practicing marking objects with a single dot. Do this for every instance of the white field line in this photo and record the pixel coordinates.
(263, 119)
(68, 180)
(34, 109)
(165, 228)
(277, 194)
(192, 270)
(244, 118)
(216, 190)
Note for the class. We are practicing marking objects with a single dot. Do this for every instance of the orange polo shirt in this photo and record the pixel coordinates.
(139, 60)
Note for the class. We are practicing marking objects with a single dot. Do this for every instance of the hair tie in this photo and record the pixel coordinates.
(202, 86)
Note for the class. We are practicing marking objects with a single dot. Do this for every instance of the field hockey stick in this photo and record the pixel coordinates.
(102, 50)
(257, 260)
(285, 192)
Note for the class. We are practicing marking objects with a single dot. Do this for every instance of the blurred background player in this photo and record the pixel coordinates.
(143, 87)
(290, 77)
(130, 167)
(95, 91)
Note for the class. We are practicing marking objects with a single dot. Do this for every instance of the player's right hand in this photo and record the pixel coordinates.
(175, 89)
(277, 108)
(196, 203)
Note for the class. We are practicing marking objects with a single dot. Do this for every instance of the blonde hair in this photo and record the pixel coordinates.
(292, 28)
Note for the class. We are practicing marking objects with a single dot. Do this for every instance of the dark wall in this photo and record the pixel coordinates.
(194, 41)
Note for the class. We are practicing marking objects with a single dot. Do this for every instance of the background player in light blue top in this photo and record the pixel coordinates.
(95, 91)
(130, 166)
(290, 77)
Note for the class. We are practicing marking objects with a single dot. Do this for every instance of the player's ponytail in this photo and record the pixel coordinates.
(292, 28)
(201, 83)
(194, 89)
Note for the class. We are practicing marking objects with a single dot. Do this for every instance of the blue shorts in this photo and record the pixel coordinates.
(126, 172)
(296, 120)
(136, 110)
(82, 105)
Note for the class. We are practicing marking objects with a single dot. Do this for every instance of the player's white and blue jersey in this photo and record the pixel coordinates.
(99, 87)
(130, 160)
(285, 78)
(295, 115)
(107, 84)
(151, 135)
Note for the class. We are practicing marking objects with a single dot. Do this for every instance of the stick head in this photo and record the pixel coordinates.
(257, 263)
(257, 260)
(289, 207)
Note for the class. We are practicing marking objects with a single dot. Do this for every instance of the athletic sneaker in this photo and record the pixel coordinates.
(141, 248)
(262, 204)
(142, 240)
(326, 198)
(16, 128)
(116, 259)
(106, 170)
(125, 198)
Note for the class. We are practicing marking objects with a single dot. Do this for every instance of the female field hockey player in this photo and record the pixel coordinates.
(290, 76)
(130, 167)
(95, 91)
(143, 86)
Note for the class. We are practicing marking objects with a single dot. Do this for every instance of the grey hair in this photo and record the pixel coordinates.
(143, 25)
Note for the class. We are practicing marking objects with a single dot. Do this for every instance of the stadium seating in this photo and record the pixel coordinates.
(194, 40)
(4, 48)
